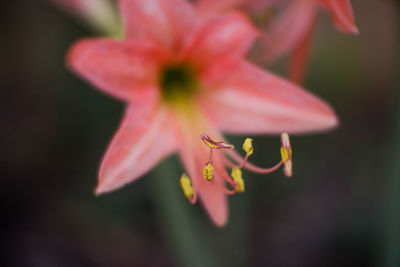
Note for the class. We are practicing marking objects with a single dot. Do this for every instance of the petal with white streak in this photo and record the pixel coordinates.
(255, 101)
(145, 137)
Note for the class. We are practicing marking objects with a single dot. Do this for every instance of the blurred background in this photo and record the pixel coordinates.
(342, 208)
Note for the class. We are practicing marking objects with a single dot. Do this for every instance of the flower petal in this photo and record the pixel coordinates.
(145, 137)
(117, 68)
(209, 8)
(288, 29)
(164, 23)
(299, 57)
(255, 101)
(220, 43)
(214, 199)
(342, 14)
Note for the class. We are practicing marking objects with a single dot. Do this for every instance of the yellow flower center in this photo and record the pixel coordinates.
(177, 82)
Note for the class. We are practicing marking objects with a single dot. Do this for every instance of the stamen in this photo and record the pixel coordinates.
(228, 179)
(248, 146)
(236, 175)
(214, 144)
(208, 172)
(256, 169)
(187, 188)
(229, 191)
(286, 154)
(225, 176)
(235, 179)
(247, 165)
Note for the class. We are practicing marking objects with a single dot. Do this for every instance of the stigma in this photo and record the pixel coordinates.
(214, 144)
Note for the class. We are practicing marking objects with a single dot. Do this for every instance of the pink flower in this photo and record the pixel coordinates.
(289, 32)
(181, 77)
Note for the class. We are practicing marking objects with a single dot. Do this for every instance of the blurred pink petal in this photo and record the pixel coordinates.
(289, 29)
(288, 32)
(342, 14)
(117, 68)
(220, 43)
(299, 57)
(255, 101)
(165, 23)
(209, 8)
(145, 137)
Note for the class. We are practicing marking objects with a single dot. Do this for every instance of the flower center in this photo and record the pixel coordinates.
(177, 82)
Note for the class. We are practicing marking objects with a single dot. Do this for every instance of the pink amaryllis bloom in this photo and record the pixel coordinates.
(290, 31)
(181, 76)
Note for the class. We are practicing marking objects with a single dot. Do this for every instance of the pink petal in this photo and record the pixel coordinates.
(117, 68)
(165, 23)
(209, 8)
(255, 101)
(299, 57)
(145, 137)
(256, 5)
(342, 14)
(289, 29)
(214, 199)
(220, 43)
(194, 154)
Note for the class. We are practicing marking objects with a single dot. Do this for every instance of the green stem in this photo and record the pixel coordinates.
(178, 218)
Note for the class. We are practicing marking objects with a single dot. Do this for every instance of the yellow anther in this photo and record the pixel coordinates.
(286, 155)
(248, 146)
(236, 175)
(208, 172)
(186, 185)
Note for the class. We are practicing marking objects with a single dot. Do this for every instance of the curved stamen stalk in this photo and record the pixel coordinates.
(250, 166)
(241, 165)
(226, 176)
(230, 191)
(256, 169)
